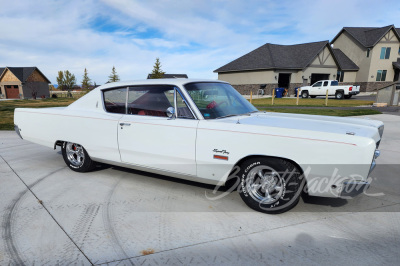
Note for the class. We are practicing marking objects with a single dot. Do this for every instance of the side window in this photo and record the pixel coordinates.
(114, 100)
(385, 53)
(148, 100)
(183, 109)
(325, 83)
(381, 75)
(318, 84)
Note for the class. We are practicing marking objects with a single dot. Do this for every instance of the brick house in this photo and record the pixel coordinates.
(23, 83)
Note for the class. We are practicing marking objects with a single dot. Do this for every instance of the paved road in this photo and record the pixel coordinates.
(116, 216)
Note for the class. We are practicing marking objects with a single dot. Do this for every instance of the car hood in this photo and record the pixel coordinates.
(362, 127)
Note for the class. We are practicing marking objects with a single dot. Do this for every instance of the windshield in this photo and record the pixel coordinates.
(217, 100)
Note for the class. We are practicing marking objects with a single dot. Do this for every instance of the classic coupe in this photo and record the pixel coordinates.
(205, 131)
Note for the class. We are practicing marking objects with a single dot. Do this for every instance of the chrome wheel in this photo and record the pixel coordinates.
(265, 185)
(75, 154)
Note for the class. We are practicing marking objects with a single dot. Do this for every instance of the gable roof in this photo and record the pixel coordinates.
(368, 36)
(1, 70)
(23, 73)
(343, 61)
(274, 56)
(170, 76)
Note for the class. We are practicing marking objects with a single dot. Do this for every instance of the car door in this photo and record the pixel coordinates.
(325, 86)
(147, 137)
(316, 88)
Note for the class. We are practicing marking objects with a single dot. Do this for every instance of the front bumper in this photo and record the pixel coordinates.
(353, 92)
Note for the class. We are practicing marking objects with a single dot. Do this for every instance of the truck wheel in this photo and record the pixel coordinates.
(270, 185)
(76, 157)
(304, 94)
(347, 96)
(313, 96)
(339, 95)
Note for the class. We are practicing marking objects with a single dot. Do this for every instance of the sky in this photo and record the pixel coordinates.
(190, 37)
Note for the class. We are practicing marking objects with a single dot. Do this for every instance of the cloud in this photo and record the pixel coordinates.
(192, 37)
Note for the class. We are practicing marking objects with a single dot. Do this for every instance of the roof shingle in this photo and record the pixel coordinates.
(344, 62)
(368, 36)
(22, 73)
(274, 56)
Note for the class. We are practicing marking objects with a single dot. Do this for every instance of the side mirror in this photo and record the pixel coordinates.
(171, 112)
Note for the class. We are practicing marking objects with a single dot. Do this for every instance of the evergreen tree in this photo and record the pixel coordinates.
(86, 82)
(157, 72)
(114, 76)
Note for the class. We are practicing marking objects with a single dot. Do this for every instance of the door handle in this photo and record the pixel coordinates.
(124, 124)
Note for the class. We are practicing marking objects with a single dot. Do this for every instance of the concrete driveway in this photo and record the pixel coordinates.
(51, 215)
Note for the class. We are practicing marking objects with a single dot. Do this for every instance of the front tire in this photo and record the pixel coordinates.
(304, 94)
(76, 157)
(270, 185)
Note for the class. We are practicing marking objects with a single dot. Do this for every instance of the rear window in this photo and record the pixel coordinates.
(335, 83)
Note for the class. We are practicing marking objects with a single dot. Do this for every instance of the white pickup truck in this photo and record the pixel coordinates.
(319, 89)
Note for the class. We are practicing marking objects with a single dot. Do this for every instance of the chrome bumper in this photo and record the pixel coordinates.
(373, 164)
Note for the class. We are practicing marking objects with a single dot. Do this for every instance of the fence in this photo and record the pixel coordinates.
(66, 94)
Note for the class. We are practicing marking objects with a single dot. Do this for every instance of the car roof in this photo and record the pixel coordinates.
(177, 82)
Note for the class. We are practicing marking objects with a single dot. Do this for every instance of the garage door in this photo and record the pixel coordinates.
(12, 92)
(318, 77)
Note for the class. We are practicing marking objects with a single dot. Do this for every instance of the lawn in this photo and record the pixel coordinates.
(323, 111)
(7, 108)
(309, 102)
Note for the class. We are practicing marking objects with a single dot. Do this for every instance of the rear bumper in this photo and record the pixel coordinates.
(353, 92)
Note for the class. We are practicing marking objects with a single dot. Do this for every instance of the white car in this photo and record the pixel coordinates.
(319, 89)
(205, 131)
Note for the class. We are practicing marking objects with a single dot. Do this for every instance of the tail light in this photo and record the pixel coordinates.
(351, 88)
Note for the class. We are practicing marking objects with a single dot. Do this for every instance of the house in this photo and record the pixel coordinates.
(376, 52)
(369, 57)
(170, 76)
(23, 83)
(286, 66)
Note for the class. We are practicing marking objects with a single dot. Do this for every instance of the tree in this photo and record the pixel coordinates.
(114, 76)
(66, 80)
(157, 73)
(86, 82)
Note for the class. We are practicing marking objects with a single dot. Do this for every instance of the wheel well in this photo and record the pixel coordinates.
(264, 156)
(58, 143)
(340, 91)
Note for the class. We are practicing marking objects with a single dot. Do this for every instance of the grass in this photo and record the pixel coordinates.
(309, 102)
(7, 108)
(330, 112)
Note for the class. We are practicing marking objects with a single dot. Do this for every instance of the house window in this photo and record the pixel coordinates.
(340, 76)
(368, 50)
(385, 52)
(381, 75)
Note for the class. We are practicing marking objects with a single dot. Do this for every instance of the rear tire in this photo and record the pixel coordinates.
(304, 94)
(339, 95)
(76, 157)
(270, 185)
